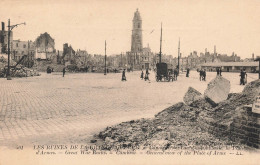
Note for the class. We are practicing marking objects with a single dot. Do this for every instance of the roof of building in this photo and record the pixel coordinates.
(231, 64)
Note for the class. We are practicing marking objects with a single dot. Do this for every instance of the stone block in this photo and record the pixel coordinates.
(191, 95)
(217, 90)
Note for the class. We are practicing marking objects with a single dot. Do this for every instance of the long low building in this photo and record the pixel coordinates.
(232, 66)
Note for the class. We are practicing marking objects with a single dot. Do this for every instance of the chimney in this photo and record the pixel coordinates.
(3, 26)
(253, 56)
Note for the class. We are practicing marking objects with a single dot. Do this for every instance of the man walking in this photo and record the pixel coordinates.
(204, 75)
(243, 77)
(123, 76)
(188, 72)
(142, 74)
(63, 71)
(175, 74)
(201, 74)
(146, 75)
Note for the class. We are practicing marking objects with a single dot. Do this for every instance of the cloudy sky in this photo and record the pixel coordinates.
(232, 25)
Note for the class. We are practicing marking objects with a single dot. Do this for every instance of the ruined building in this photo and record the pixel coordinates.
(69, 55)
(4, 39)
(45, 47)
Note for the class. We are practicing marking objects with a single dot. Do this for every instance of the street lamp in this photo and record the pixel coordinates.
(10, 28)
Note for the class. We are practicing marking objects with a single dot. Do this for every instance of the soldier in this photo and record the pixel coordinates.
(123, 76)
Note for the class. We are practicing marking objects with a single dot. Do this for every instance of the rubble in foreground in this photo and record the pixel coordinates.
(197, 125)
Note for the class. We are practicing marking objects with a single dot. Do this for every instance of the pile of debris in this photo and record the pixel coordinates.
(25, 72)
(202, 120)
(17, 71)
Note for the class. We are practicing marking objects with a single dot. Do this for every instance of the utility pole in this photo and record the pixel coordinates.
(179, 57)
(160, 54)
(105, 58)
(10, 28)
(121, 60)
(28, 62)
(8, 69)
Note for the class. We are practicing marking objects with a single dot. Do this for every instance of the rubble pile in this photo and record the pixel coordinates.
(217, 90)
(224, 113)
(42, 66)
(203, 122)
(191, 95)
(18, 71)
(25, 72)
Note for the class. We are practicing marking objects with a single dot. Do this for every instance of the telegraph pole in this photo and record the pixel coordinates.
(179, 57)
(105, 58)
(160, 54)
(10, 28)
(28, 59)
(121, 60)
(8, 68)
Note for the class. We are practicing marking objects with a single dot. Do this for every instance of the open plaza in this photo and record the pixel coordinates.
(54, 109)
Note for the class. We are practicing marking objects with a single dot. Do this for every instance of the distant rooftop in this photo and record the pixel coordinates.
(231, 64)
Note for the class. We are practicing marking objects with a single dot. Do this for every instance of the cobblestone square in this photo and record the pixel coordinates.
(51, 108)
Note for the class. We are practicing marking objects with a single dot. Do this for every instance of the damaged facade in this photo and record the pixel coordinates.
(4, 39)
(45, 47)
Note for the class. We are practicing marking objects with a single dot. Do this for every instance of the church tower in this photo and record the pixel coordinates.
(137, 38)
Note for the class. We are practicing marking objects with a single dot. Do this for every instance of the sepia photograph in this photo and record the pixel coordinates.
(147, 82)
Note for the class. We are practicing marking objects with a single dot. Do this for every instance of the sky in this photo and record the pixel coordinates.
(231, 25)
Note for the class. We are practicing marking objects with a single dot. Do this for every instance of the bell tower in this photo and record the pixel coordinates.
(137, 38)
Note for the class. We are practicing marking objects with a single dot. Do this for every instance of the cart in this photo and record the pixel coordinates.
(162, 72)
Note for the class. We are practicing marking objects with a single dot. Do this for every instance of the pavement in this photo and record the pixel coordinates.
(54, 109)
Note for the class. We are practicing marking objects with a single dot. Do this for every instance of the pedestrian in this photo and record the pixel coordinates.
(123, 76)
(243, 77)
(63, 71)
(142, 75)
(175, 74)
(204, 75)
(146, 75)
(188, 72)
(217, 71)
(220, 71)
(201, 74)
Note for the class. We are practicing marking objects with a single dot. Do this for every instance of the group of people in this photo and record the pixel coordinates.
(202, 72)
(219, 71)
(202, 75)
(146, 77)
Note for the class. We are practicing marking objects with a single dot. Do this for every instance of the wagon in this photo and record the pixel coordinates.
(162, 72)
